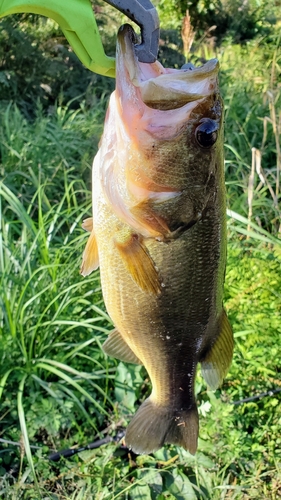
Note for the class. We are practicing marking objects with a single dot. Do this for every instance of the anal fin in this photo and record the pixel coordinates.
(116, 347)
(90, 260)
(215, 365)
(138, 262)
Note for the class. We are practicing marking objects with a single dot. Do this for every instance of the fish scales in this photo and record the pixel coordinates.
(159, 238)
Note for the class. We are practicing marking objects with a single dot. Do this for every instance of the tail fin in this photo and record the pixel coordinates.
(153, 426)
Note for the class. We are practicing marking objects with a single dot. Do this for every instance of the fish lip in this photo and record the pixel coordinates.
(126, 30)
(156, 86)
(125, 53)
(126, 34)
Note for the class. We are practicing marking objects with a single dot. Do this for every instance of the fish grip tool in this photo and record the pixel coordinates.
(145, 16)
(77, 21)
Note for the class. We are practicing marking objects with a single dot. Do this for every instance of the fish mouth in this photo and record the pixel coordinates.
(159, 87)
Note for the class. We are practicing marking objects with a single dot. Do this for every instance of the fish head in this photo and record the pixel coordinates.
(166, 130)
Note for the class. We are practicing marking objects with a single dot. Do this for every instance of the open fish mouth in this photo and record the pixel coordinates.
(158, 87)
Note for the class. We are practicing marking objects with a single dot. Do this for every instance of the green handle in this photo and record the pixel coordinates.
(77, 21)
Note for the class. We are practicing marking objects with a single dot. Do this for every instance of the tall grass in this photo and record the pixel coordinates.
(58, 389)
(52, 321)
(252, 94)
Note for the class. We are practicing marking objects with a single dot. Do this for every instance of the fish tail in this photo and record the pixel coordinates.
(154, 425)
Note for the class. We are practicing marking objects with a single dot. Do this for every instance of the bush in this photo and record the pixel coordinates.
(240, 20)
(36, 62)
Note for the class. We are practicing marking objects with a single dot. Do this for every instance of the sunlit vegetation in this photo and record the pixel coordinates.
(57, 387)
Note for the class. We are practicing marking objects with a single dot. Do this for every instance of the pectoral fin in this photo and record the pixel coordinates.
(216, 363)
(90, 260)
(116, 347)
(139, 263)
(155, 224)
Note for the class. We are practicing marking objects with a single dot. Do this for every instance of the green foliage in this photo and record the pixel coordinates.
(237, 19)
(128, 381)
(252, 120)
(57, 388)
(36, 62)
(52, 324)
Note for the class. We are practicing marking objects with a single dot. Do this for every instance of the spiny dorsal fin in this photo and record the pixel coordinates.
(116, 347)
(87, 224)
(90, 260)
(215, 365)
(139, 263)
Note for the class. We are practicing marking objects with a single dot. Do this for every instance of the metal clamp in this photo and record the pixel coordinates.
(146, 17)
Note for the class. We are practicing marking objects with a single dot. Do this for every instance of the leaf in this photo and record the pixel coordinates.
(204, 461)
(24, 428)
(126, 385)
(256, 231)
(4, 380)
(140, 491)
(204, 408)
(153, 478)
(72, 382)
(164, 454)
(179, 485)
(17, 207)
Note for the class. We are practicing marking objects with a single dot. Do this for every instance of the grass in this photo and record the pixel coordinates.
(58, 389)
(252, 125)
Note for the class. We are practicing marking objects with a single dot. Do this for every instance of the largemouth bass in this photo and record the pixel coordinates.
(158, 234)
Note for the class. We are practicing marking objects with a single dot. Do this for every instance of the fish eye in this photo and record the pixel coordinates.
(207, 133)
